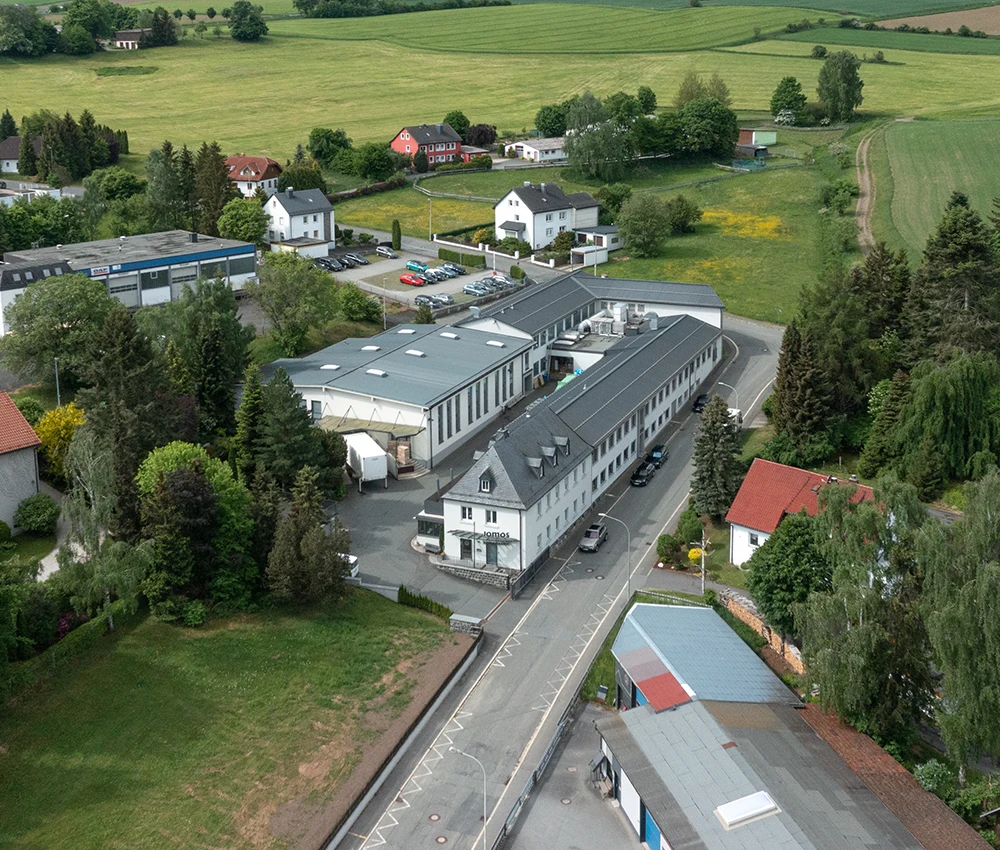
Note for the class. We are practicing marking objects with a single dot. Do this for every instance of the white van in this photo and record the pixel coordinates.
(352, 565)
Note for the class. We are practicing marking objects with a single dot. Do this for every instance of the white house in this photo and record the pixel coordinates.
(10, 150)
(537, 213)
(770, 492)
(252, 172)
(18, 459)
(130, 39)
(301, 222)
(538, 150)
(9, 196)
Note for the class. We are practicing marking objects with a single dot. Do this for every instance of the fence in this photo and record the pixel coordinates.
(535, 778)
(743, 609)
(518, 584)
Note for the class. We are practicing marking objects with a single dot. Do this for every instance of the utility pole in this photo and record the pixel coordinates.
(58, 396)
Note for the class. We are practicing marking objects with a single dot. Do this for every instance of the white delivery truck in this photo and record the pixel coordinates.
(737, 416)
(366, 460)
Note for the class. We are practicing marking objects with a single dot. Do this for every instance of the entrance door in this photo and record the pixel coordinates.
(652, 831)
(491, 554)
(466, 553)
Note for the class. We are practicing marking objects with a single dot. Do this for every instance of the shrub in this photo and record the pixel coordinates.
(689, 527)
(31, 408)
(517, 272)
(449, 255)
(473, 261)
(55, 430)
(397, 234)
(937, 777)
(4, 532)
(667, 547)
(484, 236)
(348, 234)
(767, 408)
(415, 600)
(364, 238)
(38, 514)
(194, 613)
(819, 52)
(877, 58)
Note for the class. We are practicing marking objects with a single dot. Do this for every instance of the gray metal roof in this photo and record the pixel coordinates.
(600, 228)
(701, 651)
(650, 291)
(109, 252)
(539, 307)
(687, 762)
(547, 197)
(516, 482)
(628, 374)
(421, 365)
(302, 201)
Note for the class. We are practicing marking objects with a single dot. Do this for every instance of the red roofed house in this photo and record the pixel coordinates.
(769, 493)
(439, 141)
(249, 172)
(18, 460)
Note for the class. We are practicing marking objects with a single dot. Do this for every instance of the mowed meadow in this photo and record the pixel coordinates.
(370, 76)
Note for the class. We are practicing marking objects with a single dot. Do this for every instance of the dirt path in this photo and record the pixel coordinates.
(866, 194)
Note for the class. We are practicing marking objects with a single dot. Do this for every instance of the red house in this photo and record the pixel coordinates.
(439, 141)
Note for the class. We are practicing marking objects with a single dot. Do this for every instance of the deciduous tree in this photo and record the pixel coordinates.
(246, 22)
(243, 219)
(643, 224)
(681, 215)
(325, 144)
(56, 430)
(691, 88)
(459, 123)
(550, 120)
(302, 175)
(788, 95)
(710, 127)
(839, 86)
(647, 100)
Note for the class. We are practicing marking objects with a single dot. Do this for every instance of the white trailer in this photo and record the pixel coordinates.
(366, 459)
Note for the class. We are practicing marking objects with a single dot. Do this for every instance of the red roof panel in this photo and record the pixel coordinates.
(772, 490)
(252, 168)
(663, 691)
(15, 432)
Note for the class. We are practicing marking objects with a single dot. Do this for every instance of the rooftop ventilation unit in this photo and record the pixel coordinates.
(414, 353)
(329, 366)
(495, 343)
(406, 331)
(449, 335)
(379, 373)
(746, 809)
(369, 348)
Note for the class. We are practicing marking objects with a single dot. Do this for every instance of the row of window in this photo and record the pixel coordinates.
(449, 414)
(555, 490)
(489, 516)
(565, 520)
(562, 216)
(567, 323)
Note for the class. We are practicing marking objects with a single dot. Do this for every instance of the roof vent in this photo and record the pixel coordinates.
(449, 335)
(369, 348)
(406, 331)
(379, 373)
(329, 366)
(537, 464)
(495, 343)
(746, 809)
(414, 353)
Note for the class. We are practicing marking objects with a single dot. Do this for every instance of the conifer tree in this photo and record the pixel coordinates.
(718, 470)
(786, 380)
(882, 282)
(249, 421)
(27, 160)
(925, 471)
(8, 127)
(882, 445)
(288, 440)
(397, 234)
(213, 389)
(213, 187)
(187, 194)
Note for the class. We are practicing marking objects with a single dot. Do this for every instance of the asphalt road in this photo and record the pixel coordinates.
(538, 648)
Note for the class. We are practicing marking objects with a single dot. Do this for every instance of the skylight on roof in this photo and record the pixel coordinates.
(414, 353)
(406, 331)
(379, 373)
(329, 366)
(746, 809)
(449, 335)
(369, 348)
(495, 343)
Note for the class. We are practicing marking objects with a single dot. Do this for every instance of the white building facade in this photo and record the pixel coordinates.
(301, 222)
(538, 150)
(538, 213)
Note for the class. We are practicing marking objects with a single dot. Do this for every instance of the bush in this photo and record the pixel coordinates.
(767, 408)
(4, 532)
(31, 408)
(689, 527)
(819, 52)
(415, 600)
(449, 255)
(517, 272)
(38, 514)
(364, 238)
(667, 547)
(473, 261)
(194, 613)
(484, 236)
(938, 778)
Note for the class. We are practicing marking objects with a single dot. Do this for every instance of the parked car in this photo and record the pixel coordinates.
(593, 537)
(488, 285)
(640, 478)
(475, 289)
(699, 403)
(347, 261)
(426, 278)
(502, 277)
(658, 455)
(455, 267)
(429, 300)
(387, 252)
(321, 263)
(334, 265)
(448, 273)
(416, 266)
(442, 299)
(357, 258)
(411, 280)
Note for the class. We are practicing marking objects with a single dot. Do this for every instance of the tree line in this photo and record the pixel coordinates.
(370, 8)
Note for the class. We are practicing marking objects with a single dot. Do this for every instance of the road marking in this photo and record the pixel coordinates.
(499, 659)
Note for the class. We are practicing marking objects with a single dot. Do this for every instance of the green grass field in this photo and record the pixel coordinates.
(552, 29)
(414, 211)
(886, 8)
(171, 737)
(919, 164)
(861, 40)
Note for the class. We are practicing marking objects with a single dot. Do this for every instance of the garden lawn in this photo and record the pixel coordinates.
(172, 737)
(918, 164)
(757, 245)
(413, 209)
(30, 546)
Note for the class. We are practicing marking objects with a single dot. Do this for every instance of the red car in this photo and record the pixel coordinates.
(411, 280)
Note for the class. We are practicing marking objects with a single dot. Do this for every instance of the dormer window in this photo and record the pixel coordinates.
(484, 485)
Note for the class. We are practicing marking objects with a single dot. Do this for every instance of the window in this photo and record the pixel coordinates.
(496, 389)
(440, 419)
(593, 483)
(548, 217)
(484, 485)
(317, 410)
(548, 532)
(448, 408)
(491, 517)
(466, 514)
(478, 408)
(538, 545)
(407, 148)
(557, 524)
(754, 540)
(562, 216)
(548, 501)
(548, 231)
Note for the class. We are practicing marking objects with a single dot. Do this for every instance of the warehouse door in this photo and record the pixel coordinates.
(652, 832)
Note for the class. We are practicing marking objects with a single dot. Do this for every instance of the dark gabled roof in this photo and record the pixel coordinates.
(539, 307)
(546, 197)
(628, 374)
(302, 201)
(515, 457)
(513, 225)
(20, 275)
(10, 148)
(131, 35)
(650, 291)
(431, 134)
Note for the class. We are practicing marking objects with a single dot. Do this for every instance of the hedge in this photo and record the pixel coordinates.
(517, 273)
(472, 260)
(24, 674)
(393, 182)
(415, 600)
(458, 231)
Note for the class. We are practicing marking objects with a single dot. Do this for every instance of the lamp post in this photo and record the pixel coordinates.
(58, 397)
(628, 551)
(384, 325)
(736, 392)
(483, 769)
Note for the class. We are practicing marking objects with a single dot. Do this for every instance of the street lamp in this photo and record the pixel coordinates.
(483, 769)
(384, 325)
(736, 392)
(58, 396)
(628, 551)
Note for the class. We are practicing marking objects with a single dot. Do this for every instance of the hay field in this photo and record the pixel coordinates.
(986, 19)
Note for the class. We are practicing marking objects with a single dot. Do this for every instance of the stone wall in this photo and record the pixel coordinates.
(743, 608)
(496, 579)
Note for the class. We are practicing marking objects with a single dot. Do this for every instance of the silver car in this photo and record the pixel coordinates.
(593, 537)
